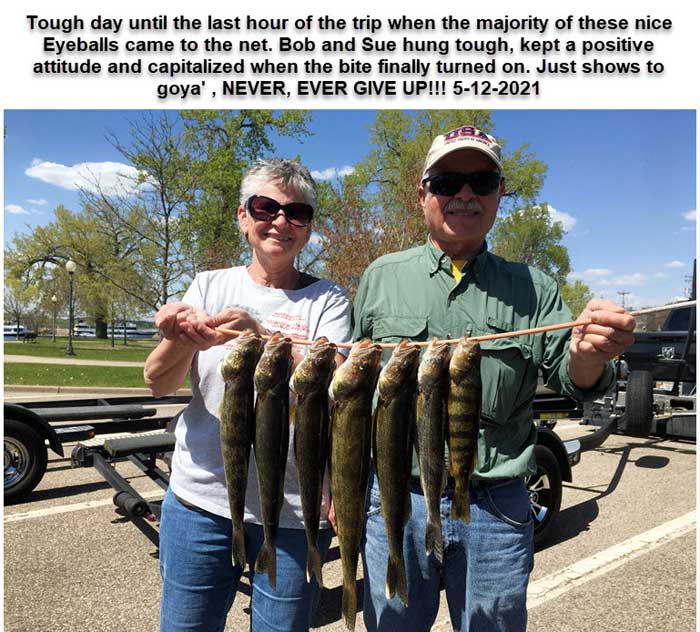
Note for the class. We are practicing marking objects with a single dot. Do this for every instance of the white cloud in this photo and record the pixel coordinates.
(567, 221)
(599, 278)
(592, 275)
(112, 177)
(675, 264)
(39, 202)
(16, 209)
(332, 172)
(635, 279)
(691, 216)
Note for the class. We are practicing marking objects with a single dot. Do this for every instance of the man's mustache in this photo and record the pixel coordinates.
(458, 206)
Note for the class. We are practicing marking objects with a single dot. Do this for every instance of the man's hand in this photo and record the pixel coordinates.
(592, 346)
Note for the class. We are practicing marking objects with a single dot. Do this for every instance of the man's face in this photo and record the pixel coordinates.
(458, 224)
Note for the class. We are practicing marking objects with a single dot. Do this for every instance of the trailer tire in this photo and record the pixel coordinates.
(26, 457)
(639, 405)
(545, 490)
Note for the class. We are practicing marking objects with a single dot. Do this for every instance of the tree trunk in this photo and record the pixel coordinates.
(101, 327)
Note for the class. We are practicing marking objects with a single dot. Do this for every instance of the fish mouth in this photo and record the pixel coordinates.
(406, 349)
(278, 339)
(322, 344)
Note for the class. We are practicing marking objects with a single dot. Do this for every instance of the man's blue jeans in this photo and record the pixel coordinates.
(486, 564)
(200, 581)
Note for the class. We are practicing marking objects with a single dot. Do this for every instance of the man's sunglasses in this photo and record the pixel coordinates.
(449, 184)
(265, 209)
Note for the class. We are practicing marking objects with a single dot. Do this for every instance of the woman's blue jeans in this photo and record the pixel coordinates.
(200, 581)
(486, 564)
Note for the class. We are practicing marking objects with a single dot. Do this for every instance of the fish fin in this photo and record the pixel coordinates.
(313, 565)
(349, 603)
(267, 563)
(433, 539)
(396, 579)
(238, 549)
(460, 504)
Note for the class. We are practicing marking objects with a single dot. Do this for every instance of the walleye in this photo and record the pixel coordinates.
(430, 437)
(394, 421)
(352, 389)
(237, 416)
(271, 443)
(463, 414)
(311, 426)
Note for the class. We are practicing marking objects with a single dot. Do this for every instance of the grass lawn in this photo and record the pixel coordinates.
(87, 349)
(73, 375)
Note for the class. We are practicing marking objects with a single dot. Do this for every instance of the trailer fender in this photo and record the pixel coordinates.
(39, 424)
(552, 441)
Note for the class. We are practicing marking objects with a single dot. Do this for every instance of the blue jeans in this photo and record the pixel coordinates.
(486, 564)
(200, 581)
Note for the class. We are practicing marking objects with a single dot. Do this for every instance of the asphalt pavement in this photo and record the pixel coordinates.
(622, 556)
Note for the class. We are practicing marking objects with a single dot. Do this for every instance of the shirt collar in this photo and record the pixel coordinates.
(439, 260)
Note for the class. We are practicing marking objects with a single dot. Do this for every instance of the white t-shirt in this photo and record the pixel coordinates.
(320, 309)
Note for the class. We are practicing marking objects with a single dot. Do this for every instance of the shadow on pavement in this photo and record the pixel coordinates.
(574, 520)
(330, 606)
(60, 492)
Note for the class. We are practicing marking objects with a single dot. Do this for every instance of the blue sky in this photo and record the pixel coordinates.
(623, 182)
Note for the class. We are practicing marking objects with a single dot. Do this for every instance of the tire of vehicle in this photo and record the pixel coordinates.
(545, 493)
(639, 405)
(26, 457)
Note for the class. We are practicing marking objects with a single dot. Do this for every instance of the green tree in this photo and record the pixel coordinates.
(382, 193)
(139, 244)
(529, 236)
(19, 300)
(105, 253)
(221, 145)
(576, 295)
(153, 202)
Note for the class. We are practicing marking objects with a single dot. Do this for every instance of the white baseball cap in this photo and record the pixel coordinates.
(466, 137)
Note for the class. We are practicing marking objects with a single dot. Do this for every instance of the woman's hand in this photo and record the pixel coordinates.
(170, 318)
(237, 319)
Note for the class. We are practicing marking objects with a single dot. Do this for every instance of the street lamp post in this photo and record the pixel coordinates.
(70, 267)
(54, 300)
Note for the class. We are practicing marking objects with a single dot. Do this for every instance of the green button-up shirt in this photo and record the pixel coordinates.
(412, 294)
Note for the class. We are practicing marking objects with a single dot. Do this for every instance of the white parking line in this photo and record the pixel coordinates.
(562, 581)
(52, 511)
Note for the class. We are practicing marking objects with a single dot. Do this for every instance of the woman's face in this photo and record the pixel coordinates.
(277, 240)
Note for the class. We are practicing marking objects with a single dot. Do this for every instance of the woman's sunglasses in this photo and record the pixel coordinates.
(449, 184)
(265, 209)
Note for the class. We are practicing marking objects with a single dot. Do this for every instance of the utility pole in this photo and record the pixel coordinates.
(622, 298)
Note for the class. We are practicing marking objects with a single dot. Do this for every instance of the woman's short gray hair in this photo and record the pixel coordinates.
(287, 174)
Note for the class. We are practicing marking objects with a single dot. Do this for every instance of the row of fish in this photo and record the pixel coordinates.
(423, 401)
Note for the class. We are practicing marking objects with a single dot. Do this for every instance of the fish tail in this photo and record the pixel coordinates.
(433, 539)
(313, 565)
(460, 504)
(238, 549)
(267, 563)
(396, 579)
(349, 603)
